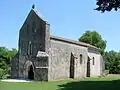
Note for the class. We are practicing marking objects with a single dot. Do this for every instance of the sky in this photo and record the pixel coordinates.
(67, 18)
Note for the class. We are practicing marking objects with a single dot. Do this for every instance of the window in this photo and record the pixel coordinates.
(34, 27)
(29, 47)
(35, 30)
(93, 61)
(27, 29)
(23, 48)
(81, 58)
(19, 50)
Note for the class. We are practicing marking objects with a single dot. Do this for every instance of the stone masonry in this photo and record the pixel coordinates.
(45, 57)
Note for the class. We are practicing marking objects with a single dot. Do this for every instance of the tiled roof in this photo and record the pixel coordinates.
(72, 41)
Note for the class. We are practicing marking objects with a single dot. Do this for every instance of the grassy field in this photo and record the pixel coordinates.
(76, 84)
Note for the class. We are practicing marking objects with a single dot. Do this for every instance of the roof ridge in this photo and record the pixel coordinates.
(39, 15)
(72, 41)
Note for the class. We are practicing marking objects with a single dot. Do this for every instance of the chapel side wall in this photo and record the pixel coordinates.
(60, 53)
(95, 69)
(102, 65)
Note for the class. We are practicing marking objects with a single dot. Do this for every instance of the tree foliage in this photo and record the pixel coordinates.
(94, 38)
(5, 57)
(107, 5)
(112, 62)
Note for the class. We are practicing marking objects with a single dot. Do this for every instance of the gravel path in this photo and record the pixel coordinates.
(113, 75)
(16, 80)
(23, 80)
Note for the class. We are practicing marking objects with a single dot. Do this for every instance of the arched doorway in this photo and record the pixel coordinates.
(30, 73)
(29, 70)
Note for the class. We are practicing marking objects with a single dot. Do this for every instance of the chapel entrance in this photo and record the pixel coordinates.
(88, 67)
(30, 73)
(72, 62)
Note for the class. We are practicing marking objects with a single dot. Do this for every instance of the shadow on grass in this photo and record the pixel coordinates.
(91, 85)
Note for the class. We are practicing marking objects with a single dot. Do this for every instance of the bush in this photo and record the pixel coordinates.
(1, 73)
(106, 72)
(4, 74)
(5, 58)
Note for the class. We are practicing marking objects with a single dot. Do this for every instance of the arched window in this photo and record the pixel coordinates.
(81, 58)
(93, 61)
(29, 48)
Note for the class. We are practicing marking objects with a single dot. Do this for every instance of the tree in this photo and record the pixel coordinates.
(5, 57)
(107, 5)
(112, 62)
(95, 39)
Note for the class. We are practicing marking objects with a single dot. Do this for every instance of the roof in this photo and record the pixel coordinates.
(72, 41)
(39, 15)
(64, 39)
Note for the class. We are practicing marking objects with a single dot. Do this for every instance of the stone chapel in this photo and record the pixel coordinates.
(44, 57)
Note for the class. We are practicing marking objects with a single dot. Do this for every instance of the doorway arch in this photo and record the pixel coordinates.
(29, 70)
(31, 73)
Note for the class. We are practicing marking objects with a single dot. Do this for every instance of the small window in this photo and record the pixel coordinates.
(34, 27)
(27, 29)
(35, 30)
(81, 58)
(19, 50)
(29, 47)
(93, 61)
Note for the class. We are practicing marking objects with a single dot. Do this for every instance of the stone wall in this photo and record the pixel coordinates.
(41, 68)
(95, 65)
(102, 65)
(14, 66)
(41, 74)
(33, 37)
(60, 53)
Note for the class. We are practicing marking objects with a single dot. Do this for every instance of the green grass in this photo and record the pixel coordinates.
(76, 84)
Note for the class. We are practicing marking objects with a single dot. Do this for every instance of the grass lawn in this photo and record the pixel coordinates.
(76, 84)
